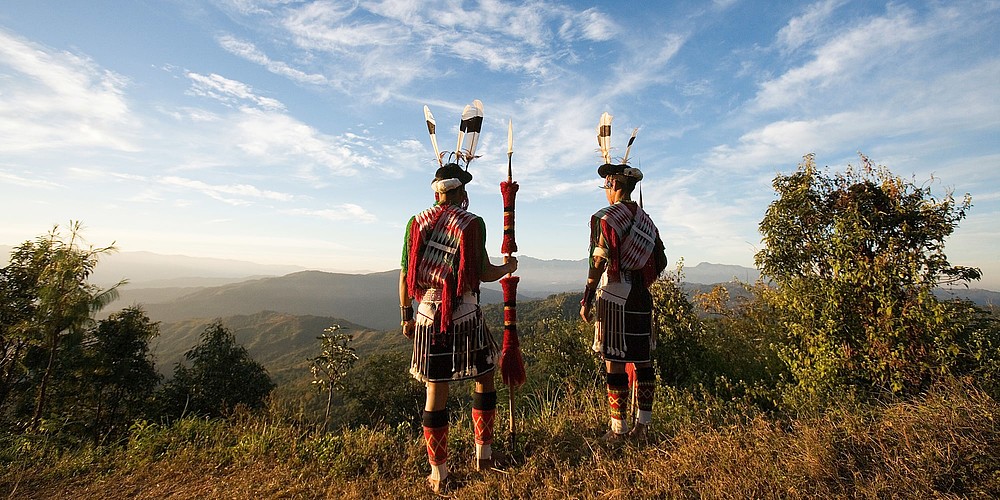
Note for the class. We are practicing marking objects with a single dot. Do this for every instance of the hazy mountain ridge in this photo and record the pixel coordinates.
(363, 299)
(281, 342)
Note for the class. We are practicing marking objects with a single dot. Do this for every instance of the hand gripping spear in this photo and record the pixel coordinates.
(511, 363)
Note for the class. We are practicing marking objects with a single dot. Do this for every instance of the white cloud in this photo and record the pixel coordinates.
(229, 91)
(846, 56)
(803, 29)
(60, 100)
(250, 52)
(595, 25)
(279, 139)
(389, 44)
(645, 67)
(233, 194)
(28, 182)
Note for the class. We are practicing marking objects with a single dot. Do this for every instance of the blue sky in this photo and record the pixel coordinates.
(292, 132)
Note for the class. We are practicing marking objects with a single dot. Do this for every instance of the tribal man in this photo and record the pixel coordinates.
(626, 257)
(444, 260)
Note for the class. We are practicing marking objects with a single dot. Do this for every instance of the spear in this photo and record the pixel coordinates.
(511, 362)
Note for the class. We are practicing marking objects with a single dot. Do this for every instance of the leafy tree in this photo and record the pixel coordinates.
(221, 376)
(558, 350)
(47, 306)
(331, 366)
(380, 390)
(854, 258)
(679, 353)
(121, 377)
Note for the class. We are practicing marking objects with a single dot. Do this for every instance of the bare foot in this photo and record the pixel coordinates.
(438, 486)
(639, 432)
(612, 437)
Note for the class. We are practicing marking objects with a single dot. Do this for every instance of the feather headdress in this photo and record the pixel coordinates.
(604, 142)
(469, 129)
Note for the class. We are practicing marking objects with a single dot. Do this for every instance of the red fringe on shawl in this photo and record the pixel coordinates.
(508, 190)
(468, 268)
(611, 238)
(511, 363)
(412, 260)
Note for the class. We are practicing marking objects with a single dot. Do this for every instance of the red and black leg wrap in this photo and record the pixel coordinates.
(618, 395)
(484, 409)
(645, 379)
(436, 435)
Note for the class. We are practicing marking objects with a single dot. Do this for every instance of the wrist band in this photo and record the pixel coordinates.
(406, 313)
(588, 296)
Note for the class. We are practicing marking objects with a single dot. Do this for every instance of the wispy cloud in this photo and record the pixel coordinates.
(803, 29)
(233, 194)
(279, 139)
(846, 56)
(229, 91)
(29, 181)
(60, 100)
(850, 91)
(387, 45)
(250, 52)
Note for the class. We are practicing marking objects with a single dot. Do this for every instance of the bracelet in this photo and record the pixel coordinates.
(588, 296)
(406, 313)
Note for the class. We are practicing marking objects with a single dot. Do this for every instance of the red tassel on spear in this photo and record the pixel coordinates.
(511, 362)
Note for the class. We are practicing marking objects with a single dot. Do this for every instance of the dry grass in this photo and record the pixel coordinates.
(944, 445)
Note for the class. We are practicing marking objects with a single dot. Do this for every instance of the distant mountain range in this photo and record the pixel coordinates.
(365, 299)
(175, 288)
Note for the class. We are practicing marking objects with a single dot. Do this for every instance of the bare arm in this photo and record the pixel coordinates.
(493, 273)
(593, 278)
(405, 301)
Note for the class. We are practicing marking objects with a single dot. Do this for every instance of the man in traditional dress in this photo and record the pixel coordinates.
(626, 257)
(444, 260)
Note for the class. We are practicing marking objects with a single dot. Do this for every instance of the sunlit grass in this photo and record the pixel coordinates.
(946, 443)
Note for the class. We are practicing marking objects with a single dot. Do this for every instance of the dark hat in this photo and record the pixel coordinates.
(610, 169)
(620, 169)
(453, 171)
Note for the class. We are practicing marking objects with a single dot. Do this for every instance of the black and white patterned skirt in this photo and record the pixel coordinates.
(624, 323)
(467, 350)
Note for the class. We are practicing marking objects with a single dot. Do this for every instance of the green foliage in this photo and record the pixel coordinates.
(119, 384)
(47, 306)
(678, 355)
(854, 258)
(331, 366)
(221, 377)
(558, 350)
(106, 380)
(379, 391)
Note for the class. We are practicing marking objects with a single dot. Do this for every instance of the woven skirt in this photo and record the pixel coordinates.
(467, 350)
(623, 326)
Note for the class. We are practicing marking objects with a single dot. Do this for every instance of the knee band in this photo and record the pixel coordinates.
(484, 400)
(435, 419)
(617, 379)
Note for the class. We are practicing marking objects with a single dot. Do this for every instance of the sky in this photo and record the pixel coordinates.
(292, 132)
